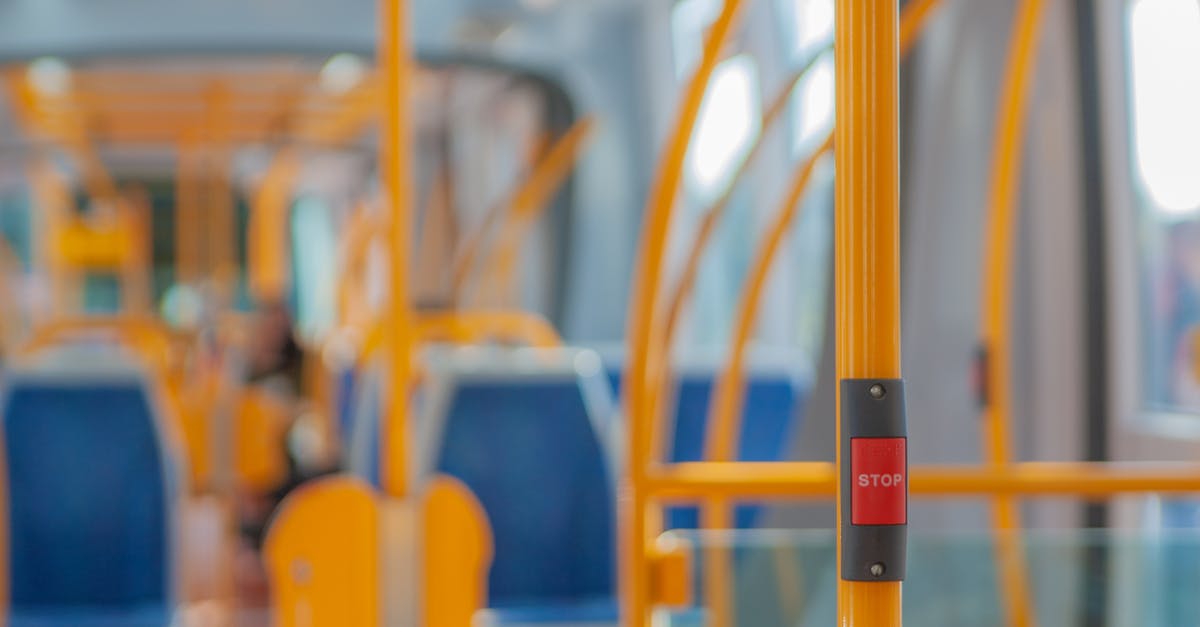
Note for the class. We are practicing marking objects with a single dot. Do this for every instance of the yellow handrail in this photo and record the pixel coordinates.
(725, 408)
(467, 327)
(394, 158)
(866, 241)
(532, 200)
(645, 323)
(997, 288)
(723, 414)
(712, 216)
(689, 481)
(520, 210)
(468, 250)
(147, 336)
(187, 208)
(267, 240)
(470, 327)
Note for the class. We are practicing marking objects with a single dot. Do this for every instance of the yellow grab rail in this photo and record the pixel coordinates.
(712, 216)
(725, 410)
(533, 198)
(645, 322)
(866, 240)
(691, 481)
(467, 327)
(997, 288)
(520, 211)
(395, 145)
(268, 243)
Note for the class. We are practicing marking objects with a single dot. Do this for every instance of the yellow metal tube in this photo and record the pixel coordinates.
(268, 241)
(521, 207)
(466, 327)
(187, 210)
(395, 144)
(708, 223)
(867, 237)
(645, 324)
(532, 199)
(724, 418)
(751, 481)
(996, 332)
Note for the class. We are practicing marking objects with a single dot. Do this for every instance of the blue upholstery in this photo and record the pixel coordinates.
(153, 616)
(774, 400)
(529, 451)
(345, 401)
(89, 497)
(579, 612)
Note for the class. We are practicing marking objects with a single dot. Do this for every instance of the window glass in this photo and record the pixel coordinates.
(1164, 48)
(314, 255)
(812, 106)
(689, 22)
(728, 124)
(809, 25)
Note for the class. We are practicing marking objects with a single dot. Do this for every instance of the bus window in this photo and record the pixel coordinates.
(1164, 44)
(315, 264)
(729, 121)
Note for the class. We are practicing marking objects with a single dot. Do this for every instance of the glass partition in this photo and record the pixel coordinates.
(788, 578)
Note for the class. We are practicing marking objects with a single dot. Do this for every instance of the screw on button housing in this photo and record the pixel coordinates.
(877, 391)
(877, 569)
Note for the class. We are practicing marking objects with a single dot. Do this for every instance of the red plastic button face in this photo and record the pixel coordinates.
(878, 474)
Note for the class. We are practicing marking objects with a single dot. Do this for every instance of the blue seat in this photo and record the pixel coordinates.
(773, 404)
(533, 443)
(91, 501)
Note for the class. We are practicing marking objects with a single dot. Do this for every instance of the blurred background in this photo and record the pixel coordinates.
(196, 292)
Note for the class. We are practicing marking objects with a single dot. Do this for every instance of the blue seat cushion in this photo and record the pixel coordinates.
(148, 616)
(773, 401)
(88, 503)
(584, 611)
(530, 453)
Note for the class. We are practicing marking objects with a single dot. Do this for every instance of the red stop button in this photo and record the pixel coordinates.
(878, 478)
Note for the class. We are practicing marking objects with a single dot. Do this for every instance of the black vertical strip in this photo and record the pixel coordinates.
(1096, 556)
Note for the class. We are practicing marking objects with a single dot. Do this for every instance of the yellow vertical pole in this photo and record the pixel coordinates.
(867, 240)
(397, 181)
(645, 322)
(221, 204)
(997, 287)
(187, 210)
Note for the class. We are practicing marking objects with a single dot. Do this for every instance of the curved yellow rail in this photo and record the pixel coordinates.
(996, 331)
(466, 253)
(146, 336)
(532, 200)
(724, 411)
(467, 327)
(714, 213)
(521, 210)
(645, 327)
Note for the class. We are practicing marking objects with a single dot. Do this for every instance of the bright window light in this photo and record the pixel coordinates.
(315, 255)
(812, 106)
(1165, 55)
(809, 25)
(729, 121)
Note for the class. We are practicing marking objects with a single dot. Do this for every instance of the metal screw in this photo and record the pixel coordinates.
(877, 391)
(301, 572)
(877, 569)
